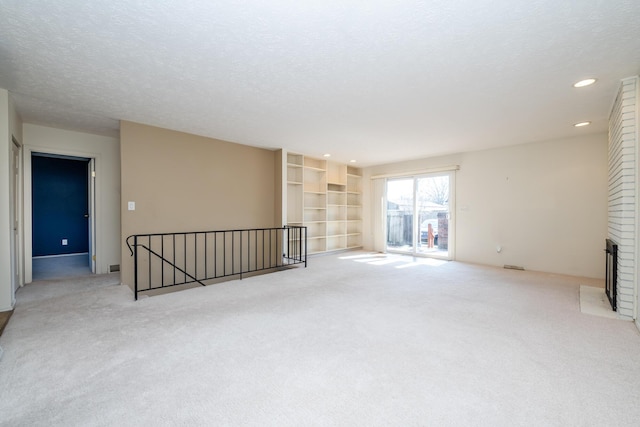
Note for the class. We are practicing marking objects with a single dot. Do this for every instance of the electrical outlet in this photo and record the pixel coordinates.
(64, 242)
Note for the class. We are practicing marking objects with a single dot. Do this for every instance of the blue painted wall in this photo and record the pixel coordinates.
(60, 201)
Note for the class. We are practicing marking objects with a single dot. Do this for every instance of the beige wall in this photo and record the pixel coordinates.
(106, 151)
(181, 182)
(544, 203)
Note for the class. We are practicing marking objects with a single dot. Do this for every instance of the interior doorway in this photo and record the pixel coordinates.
(418, 215)
(62, 200)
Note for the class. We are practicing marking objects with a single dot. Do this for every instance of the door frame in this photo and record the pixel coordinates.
(91, 176)
(17, 257)
(94, 205)
(452, 209)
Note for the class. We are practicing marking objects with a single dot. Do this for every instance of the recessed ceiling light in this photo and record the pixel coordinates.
(327, 155)
(585, 82)
(352, 161)
(579, 125)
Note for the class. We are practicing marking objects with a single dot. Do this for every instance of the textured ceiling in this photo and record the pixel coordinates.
(375, 80)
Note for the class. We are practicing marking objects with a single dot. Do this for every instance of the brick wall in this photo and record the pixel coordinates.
(623, 190)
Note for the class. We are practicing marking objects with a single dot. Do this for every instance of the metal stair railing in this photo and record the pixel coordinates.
(163, 260)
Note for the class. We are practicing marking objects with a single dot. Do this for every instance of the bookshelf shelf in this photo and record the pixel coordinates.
(326, 197)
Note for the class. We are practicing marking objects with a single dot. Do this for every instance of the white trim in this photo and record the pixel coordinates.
(636, 270)
(58, 156)
(378, 214)
(60, 255)
(28, 208)
(16, 256)
(418, 173)
(452, 216)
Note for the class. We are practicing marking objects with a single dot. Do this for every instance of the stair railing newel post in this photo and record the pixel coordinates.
(135, 266)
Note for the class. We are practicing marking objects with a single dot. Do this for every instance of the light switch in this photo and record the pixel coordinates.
(64, 242)
(132, 206)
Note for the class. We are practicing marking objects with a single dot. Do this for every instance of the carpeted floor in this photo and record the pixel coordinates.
(354, 340)
(62, 266)
(54, 267)
(594, 301)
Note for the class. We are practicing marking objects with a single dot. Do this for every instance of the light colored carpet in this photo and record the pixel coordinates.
(594, 301)
(62, 266)
(353, 340)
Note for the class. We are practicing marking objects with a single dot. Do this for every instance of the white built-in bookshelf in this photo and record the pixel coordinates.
(326, 197)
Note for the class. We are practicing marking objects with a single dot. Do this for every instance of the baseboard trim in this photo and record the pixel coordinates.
(60, 255)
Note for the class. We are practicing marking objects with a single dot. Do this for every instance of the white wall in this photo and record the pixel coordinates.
(6, 297)
(544, 203)
(106, 151)
(17, 255)
(10, 127)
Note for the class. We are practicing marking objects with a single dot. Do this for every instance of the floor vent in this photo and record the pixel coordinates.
(513, 267)
(114, 268)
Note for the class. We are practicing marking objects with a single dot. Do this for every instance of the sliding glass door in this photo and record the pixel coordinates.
(432, 212)
(418, 217)
(400, 205)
